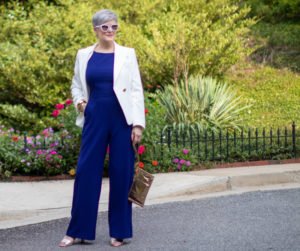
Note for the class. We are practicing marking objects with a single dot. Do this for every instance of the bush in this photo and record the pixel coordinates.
(183, 38)
(17, 116)
(39, 40)
(201, 104)
(275, 10)
(278, 45)
(176, 159)
(47, 153)
(38, 46)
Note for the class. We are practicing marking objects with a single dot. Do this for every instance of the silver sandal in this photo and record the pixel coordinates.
(115, 242)
(68, 241)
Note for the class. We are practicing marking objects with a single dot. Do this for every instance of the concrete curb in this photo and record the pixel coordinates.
(33, 202)
(265, 179)
(220, 184)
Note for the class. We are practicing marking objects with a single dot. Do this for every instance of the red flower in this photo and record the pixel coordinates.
(141, 164)
(154, 163)
(15, 138)
(107, 149)
(59, 106)
(141, 149)
(146, 110)
(69, 101)
(55, 113)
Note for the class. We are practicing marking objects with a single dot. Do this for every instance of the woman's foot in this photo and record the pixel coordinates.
(67, 241)
(116, 242)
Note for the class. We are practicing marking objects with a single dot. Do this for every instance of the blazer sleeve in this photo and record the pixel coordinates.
(76, 86)
(137, 94)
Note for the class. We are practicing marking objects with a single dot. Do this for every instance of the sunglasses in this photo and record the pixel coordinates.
(105, 27)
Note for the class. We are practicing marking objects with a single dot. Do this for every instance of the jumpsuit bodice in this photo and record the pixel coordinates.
(99, 75)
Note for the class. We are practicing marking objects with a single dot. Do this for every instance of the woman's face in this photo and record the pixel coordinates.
(106, 31)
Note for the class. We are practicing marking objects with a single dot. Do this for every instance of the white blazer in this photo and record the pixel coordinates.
(127, 83)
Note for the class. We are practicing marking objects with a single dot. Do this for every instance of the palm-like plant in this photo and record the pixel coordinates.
(201, 103)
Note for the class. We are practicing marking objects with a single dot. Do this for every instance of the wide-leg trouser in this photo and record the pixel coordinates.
(105, 124)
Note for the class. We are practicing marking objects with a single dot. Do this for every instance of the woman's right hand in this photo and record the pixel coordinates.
(81, 106)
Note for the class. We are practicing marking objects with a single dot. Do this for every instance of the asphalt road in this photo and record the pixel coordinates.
(268, 220)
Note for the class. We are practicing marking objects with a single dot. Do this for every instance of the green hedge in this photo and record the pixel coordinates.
(39, 40)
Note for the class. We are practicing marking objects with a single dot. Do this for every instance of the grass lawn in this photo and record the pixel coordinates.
(274, 95)
(270, 79)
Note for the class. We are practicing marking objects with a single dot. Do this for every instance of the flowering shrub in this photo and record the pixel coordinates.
(48, 153)
(173, 160)
(55, 150)
(64, 116)
(150, 147)
(183, 160)
(52, 151)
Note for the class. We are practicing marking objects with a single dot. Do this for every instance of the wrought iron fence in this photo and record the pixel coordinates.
(231, 145)
(228, 145)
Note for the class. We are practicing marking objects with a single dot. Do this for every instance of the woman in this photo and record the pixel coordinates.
(108, 94)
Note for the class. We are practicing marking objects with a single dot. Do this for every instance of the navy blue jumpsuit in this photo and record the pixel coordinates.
(104, 125)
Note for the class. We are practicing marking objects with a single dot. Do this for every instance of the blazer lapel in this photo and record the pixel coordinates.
(120, 54)
(86, 58)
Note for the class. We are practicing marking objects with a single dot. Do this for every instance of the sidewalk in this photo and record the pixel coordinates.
(23, 203)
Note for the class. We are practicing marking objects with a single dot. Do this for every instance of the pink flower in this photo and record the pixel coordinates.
(178, 166)
(55, 113)
(39, 152)
(53, 152)
(107, 149)
(59, 156)
(187, 163)
(54, 144)
(46, 132)
(141, 149)
(182, 161)
(185, 151)
(176, 160)
(29, 140)
(59, 106)
(69, 101)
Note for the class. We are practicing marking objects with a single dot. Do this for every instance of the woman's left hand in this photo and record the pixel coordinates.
(136, 134)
